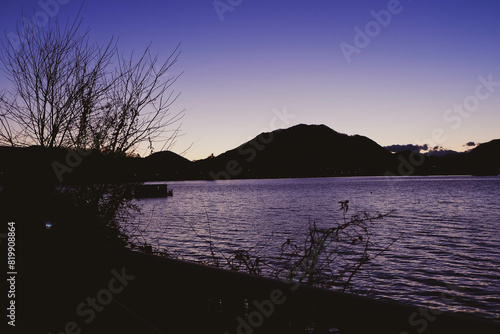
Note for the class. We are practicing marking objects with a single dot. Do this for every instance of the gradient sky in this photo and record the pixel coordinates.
(267, 57)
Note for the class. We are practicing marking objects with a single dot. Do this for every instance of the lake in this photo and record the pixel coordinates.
(446, 230)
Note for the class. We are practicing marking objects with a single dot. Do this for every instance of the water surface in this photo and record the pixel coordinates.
(447, 255)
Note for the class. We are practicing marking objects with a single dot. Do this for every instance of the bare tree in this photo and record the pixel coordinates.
(135, 106)
(65, 92)
(49, 72)
(69, 92)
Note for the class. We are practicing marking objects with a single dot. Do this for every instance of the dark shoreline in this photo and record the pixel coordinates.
(177, 296)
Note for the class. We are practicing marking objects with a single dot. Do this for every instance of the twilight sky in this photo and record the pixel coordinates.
(398, 72)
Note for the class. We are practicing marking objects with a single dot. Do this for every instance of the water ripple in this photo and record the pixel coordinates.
(448, 229)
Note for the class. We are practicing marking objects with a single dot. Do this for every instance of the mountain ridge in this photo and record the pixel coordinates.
(299, 151)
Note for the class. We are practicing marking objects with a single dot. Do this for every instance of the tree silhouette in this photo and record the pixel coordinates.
(69, 92)
(65, 92)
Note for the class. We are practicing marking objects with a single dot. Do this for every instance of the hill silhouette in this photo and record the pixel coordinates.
(165, 165)
(299, 151)
(482, 160)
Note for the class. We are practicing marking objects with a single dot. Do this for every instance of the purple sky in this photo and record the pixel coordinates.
(419, 76)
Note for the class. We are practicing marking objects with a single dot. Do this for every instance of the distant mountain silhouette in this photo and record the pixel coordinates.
(482, 160)
(487, 152)
(34, 164)
(163, 165)
(440, 153)
(299, 151)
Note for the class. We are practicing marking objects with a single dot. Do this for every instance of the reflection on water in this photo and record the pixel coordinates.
(449, 229)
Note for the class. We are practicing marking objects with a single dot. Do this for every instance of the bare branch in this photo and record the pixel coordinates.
(65, 93)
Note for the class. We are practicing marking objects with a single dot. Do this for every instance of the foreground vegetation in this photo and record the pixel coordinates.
(322, 257)
(76, 100)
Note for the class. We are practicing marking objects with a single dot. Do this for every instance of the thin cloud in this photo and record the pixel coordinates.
(408, 147)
